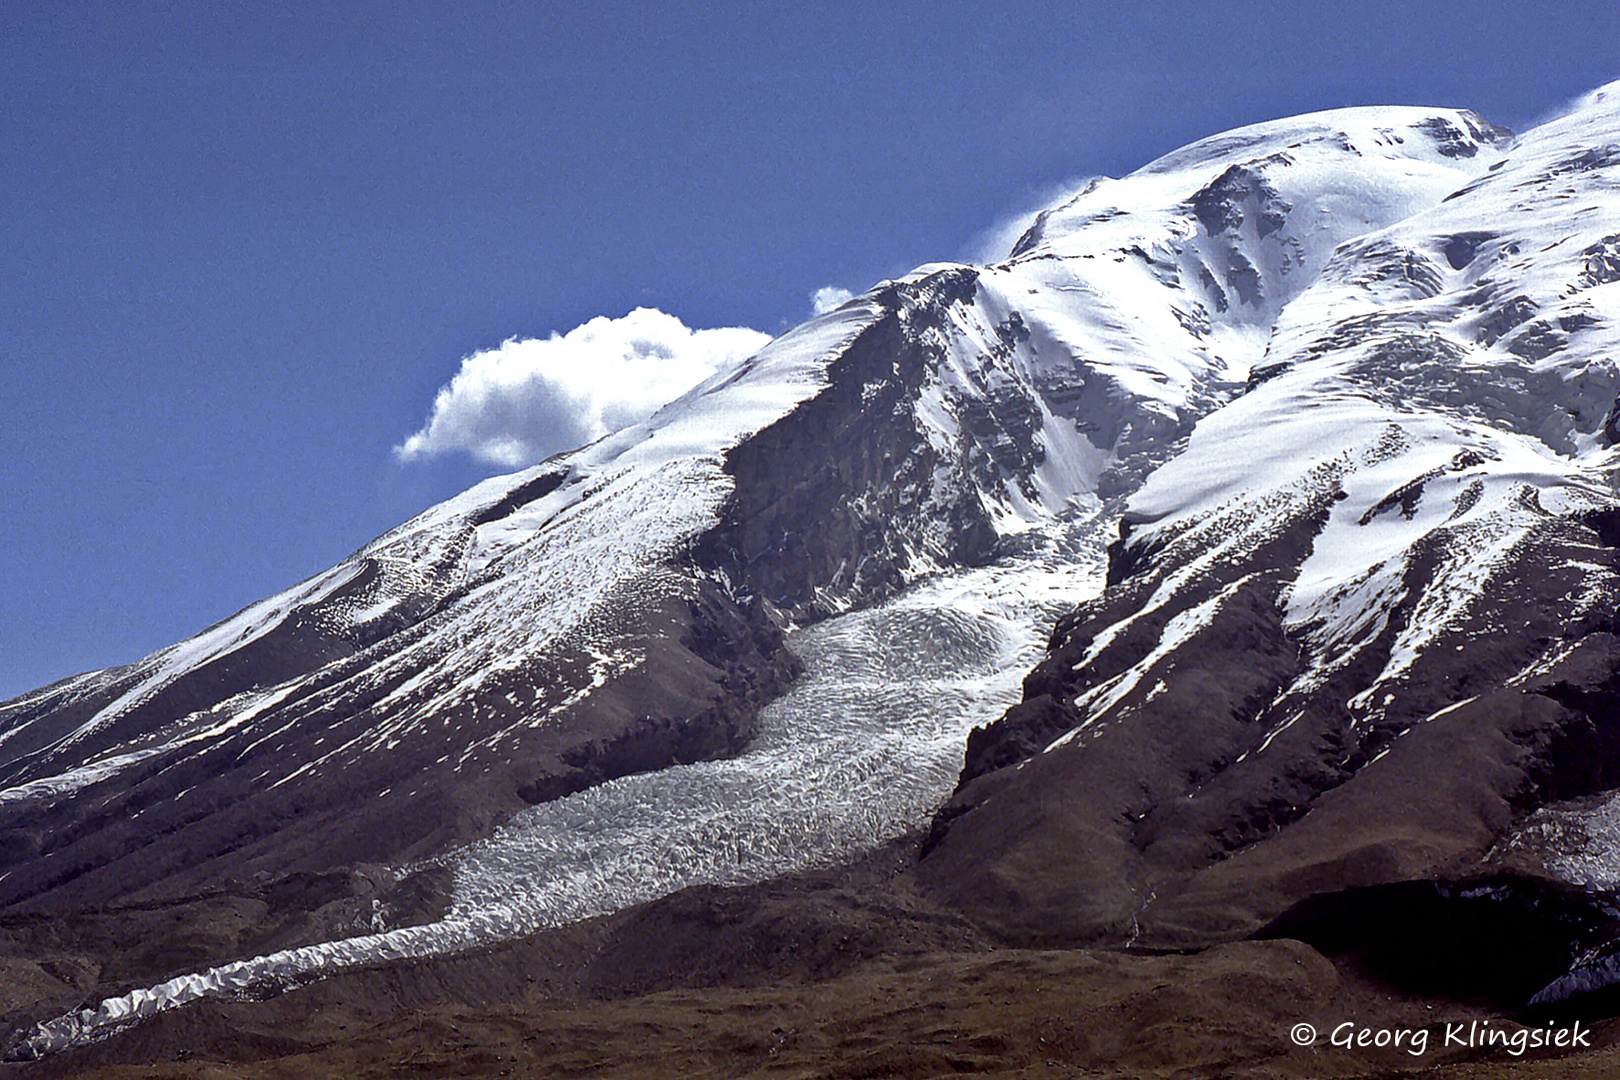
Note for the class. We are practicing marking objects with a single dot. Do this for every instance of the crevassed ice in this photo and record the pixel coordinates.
(863, 749)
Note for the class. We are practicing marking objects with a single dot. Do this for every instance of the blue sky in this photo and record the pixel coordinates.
(245, 245)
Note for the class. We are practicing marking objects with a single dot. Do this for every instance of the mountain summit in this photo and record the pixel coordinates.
(1246, 536)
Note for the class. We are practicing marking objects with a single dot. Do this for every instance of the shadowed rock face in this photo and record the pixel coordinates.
(833, 503)
(1494, 940)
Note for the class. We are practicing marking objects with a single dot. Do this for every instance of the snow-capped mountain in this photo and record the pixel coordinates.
(1343, 386)
(1365, 618)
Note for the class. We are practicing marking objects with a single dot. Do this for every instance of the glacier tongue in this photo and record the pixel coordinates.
(861, 750)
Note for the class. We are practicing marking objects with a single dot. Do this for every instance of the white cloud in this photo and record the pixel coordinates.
(828, 297)
(532, 397)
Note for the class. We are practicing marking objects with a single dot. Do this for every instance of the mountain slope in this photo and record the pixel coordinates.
(1364, 621)
(619, 608)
